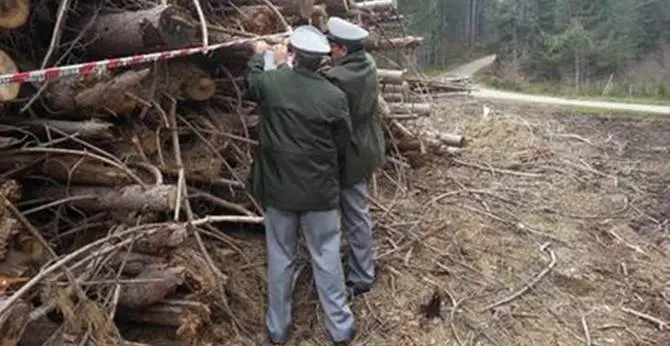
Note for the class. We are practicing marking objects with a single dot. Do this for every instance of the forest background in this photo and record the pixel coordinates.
(611, 48)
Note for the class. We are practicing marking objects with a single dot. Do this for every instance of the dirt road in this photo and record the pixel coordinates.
(486, 93)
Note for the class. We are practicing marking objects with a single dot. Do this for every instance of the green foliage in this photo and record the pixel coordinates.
(579, 41)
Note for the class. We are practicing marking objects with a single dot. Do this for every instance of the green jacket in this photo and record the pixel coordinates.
(356, 75)
(304, 130)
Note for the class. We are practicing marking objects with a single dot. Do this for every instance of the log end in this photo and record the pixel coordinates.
(200, 88)
(14, 14)
(8, 91)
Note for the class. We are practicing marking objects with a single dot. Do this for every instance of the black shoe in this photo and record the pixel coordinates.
(353, 291)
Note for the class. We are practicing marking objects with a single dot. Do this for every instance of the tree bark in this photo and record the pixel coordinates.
(333, 7)
(113, 94)
(396, 77)
(394, 97)
(396, 88)
(139, 295)
(155, 198)
(90, 129)
(8, 91)
(14, 13)
(421, 109)
(375, 5)
(68, 169)
(91, 93)
(134, 263)
(9, 226)
(169, 313)
(169, 237)
(452, 140)
(396, 43)
(136, 32)
(13, 322)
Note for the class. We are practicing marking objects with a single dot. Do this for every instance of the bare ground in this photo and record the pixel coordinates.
(550, 229)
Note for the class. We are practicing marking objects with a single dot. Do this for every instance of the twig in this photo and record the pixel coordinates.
(662, 325)
(497, 170)
(58, 29)
(532, 283)
(203, 24)
(587, 334)
(40, 239)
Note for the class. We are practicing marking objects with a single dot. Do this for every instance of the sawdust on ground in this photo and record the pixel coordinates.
(549, 229)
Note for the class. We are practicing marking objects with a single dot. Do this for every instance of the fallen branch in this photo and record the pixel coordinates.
(662, 325)
(532, 283)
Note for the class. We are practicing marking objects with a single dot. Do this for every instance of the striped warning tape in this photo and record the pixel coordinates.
(111, 64)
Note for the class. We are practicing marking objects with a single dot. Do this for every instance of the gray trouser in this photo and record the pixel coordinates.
(357, 221)
(322, 236)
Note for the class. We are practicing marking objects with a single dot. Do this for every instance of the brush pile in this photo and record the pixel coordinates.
(111, 180)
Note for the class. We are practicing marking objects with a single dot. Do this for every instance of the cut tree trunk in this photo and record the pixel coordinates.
(114, 94)
(259, 19)
(383, 109)
(421, 109)
(143, 31)
(96, 92)
(185, 81)
(169, 313)
(69, 169)
(452, 140)
(13, 322)
(8, 91)
(168, 237)
(401, 117)
(394, 97)
(333, 7)
(431, 86)
(134, 295)
(396, 88)
(14, 13)
(133, 197)
(375, 5)
(90, 129)
(41, 331)
(391, 76)
(134, 263)
(396, 43)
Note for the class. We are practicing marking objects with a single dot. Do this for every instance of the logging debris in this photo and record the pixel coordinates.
(105, 176)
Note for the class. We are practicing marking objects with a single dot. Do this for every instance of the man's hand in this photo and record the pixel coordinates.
(260, 47)
(280, 53)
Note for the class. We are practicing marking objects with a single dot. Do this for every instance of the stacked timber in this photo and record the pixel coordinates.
(109, 181)
(402, 95)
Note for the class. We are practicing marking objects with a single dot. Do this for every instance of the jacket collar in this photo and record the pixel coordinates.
(352, 57)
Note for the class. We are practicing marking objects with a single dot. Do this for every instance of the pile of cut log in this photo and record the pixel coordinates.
(111, 180)
(403, 101)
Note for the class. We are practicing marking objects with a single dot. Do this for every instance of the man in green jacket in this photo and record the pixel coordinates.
(355, 72)
(304, 131)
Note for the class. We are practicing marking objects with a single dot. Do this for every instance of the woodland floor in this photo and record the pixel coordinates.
(550, 229)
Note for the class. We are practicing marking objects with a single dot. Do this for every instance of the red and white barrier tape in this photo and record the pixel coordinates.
(111, 64)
